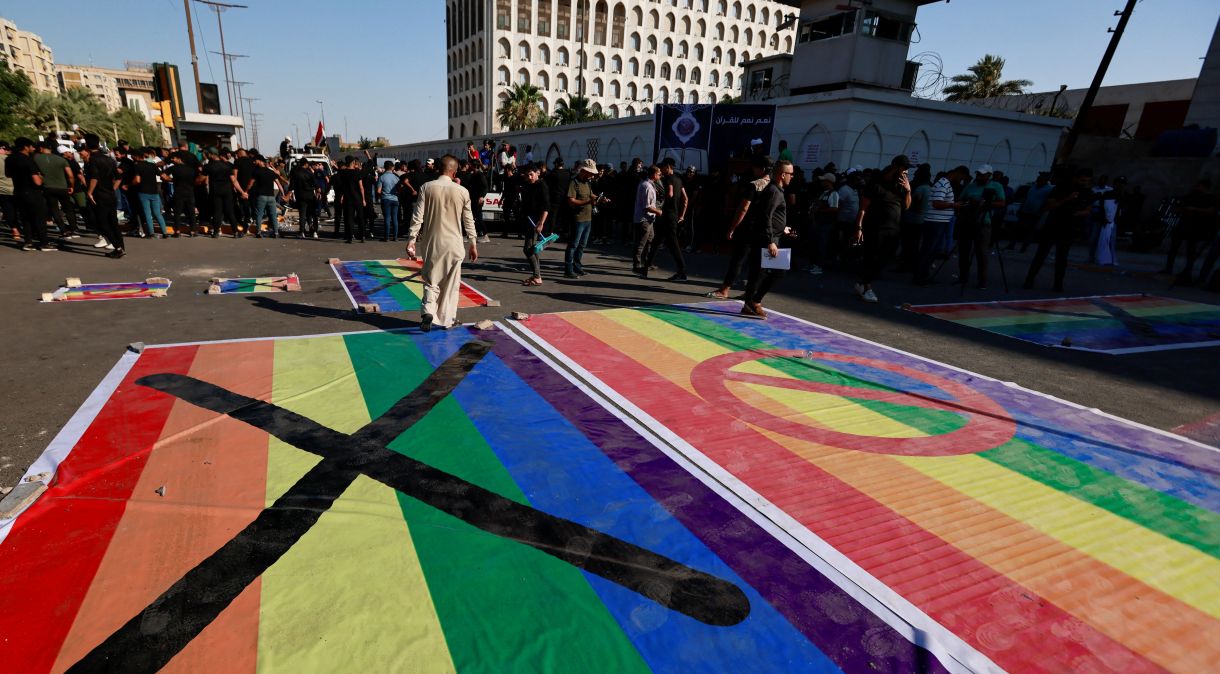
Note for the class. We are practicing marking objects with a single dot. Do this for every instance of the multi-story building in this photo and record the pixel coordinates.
(24, 51)
(625, 56)
(100, 84)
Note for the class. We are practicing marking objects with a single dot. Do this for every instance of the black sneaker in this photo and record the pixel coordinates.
(568, 274)
(677, 277)
(425, 324)
(116, 253)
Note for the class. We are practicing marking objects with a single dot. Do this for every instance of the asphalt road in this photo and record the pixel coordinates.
(57, 353)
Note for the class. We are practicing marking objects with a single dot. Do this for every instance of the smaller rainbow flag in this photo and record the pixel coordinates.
(153, 287)
(1115, 324)
(257, 284)
(395, 285)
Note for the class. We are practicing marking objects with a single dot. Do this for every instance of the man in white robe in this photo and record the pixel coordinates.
(441, 225)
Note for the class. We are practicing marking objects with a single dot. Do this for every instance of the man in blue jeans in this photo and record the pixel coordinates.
(582, 199)
(262, 187)
(387, 186)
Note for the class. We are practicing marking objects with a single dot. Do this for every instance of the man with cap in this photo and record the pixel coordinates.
(878, 224)
(442, 231)
(673, 212)
(582, 199)
(263, 181)
(286, 148)
(980, 200)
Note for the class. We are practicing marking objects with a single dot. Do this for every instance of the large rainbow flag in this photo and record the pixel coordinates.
(255, 284)
(1114, 324)
(402, 502)
(1012, 530)
(395, 285)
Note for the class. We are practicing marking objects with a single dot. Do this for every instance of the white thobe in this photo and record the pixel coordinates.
(441, 225)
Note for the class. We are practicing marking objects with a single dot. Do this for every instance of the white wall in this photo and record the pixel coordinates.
(847, 127)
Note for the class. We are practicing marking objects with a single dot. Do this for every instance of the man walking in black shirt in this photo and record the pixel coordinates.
(673, 213)
(244, 165)
(101, 174)
(532, 213)
(303, 185)
(262, 188)
(1066, 206)
(767, 223)
(28, 194)
(353, 199)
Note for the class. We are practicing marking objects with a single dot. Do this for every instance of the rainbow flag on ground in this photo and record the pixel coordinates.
(403, 502)
(395, 285)
(257, 284)
(1011, 530)
(1114, 324)
(153, 287)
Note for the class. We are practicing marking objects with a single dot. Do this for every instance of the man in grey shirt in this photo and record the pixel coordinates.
(646, 212)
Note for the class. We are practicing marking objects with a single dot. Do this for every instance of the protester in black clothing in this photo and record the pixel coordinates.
(353, 200)
(101, 172)
(182, 176)
(221, 179)
(368, 177)
(1198, 211)
(261, 189)
(475, 183)
(557, 181)
(882, 202)
(533, 211)
(126, 171)
(244, 165)
(767, 223)
(28, 194)
(1066, 207)
(673, 212)
(304, 188)
(338, 181)
(747, 191)
(510, 198)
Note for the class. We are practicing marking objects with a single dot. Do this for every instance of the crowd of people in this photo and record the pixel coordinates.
(861, 221)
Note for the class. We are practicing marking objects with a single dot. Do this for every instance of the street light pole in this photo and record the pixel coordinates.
(1069, 143)
(219, 7)
(239, 87)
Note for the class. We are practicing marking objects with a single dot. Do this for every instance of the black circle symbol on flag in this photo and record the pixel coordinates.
(988, 424)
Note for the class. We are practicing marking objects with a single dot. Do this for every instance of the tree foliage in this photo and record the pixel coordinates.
(521, 108)
(25, 111)
(576, 109)
(985, 80)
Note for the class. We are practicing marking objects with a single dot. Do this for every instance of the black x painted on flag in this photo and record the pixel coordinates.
(149, 640)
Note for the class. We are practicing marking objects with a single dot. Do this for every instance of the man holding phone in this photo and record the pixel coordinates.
(979, 202)
(878, 227)
(582, 199)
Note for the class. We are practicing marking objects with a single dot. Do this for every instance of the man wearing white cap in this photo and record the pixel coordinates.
(442, 224)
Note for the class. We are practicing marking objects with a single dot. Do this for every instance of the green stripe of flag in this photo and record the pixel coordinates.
(504, 606)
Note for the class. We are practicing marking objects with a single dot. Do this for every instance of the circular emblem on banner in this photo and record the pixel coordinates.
(987, 423)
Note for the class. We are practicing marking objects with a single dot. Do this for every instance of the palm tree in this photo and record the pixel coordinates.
(520, 109)
(984, 81)
(576, 109)
(40, 110)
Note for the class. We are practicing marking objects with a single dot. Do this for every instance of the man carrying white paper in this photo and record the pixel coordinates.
(768, 223)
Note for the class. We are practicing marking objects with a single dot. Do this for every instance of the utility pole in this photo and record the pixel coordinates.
(253, 121)
(1069, 143)
(322, 111)
(239, 87)
(190, 35)
(231, 73)
(219, 7)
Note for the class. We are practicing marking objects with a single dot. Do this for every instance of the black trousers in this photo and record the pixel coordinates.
(1060, 237)
(184, 206)
(222, 205)
(741, 247)
(760, 280)
(667, 235)
(63, 210)
(973, 241)
(353, 218)
(307, 212)
(879, 248)
(104, 217)
(33, 209)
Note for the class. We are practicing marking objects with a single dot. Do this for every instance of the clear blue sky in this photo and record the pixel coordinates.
(385, 73)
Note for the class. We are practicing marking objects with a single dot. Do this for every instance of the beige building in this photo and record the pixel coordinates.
(101, 85)
(25, 52)
(624, 55)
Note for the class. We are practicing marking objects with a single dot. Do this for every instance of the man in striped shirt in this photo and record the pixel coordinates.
(935, 233)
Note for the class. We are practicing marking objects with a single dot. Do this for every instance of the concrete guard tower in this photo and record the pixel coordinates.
(854, 43)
